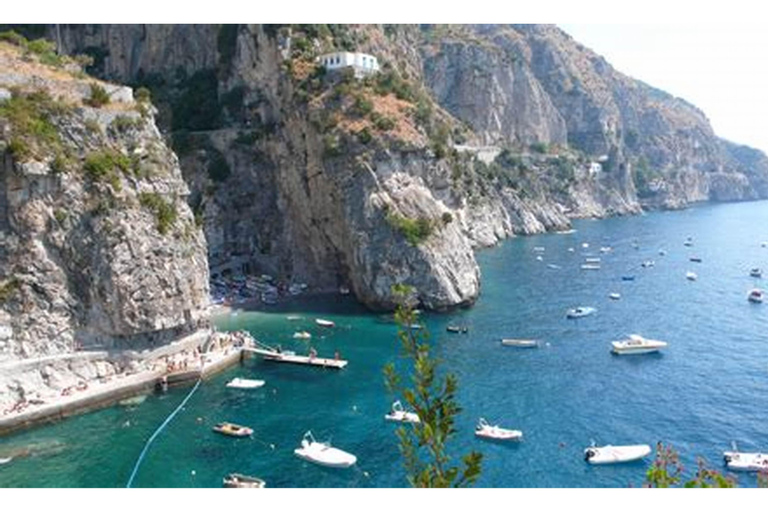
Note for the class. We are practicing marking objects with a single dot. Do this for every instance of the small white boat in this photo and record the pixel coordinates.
(239, 383)
(323, 454)
(605, 249)
(590, 266)
(756, 272)
(740, 461)
(495, 432)
(293, 317)
(571, 249)
(616, 454)
(580, 312)
(520, 343)
(755, 296)
(401, 415)
(302, 335)
(539, 249)
(691, 276)
(648, 264)
(539, 258)
(324, 323)
(688, 242)
(592, 260)
(662, 252)
(553, 266)
(232, 430)
(636, 344)
(238, 481)
(614, 296)
(585, 245)
(343, 290)
(133, 401)
(5, 460)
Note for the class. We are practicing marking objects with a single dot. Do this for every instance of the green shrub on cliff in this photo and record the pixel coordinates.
(99, 96)
(165, 212)
(30, 117)
(415, 231)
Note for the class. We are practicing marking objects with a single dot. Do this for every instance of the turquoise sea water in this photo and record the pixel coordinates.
(710, 387)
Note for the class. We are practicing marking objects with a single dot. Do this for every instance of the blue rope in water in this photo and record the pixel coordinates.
(157, 432)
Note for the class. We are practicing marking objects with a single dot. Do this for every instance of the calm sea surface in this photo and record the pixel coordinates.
(709, 388)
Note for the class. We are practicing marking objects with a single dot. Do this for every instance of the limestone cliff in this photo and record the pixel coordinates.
(469, 134)
(98, 247)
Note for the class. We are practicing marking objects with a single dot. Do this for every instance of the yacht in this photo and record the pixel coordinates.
(636, 344)
(616, 454)
(323, 454)
(580, 311)
(496, 433)
(512, 342)
(740, 461)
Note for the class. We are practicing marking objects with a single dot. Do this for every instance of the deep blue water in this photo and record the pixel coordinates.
(710, 387)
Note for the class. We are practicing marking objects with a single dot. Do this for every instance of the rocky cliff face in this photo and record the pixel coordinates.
(312, 178)
(98, 247)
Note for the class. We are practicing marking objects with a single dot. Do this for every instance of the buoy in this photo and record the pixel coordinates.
(194, 472)
(354, 408)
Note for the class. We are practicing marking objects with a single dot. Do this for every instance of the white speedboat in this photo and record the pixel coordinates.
(755, 296)
(323, 454)
(239, 383)
(740, 461)
(636, 344)
(238, 481)
(401, 415)
(605, 249)
(592, 260)
(648, 264)
(756, 272)
(302, 335)
(691, 276)
(5, 460)
(590, 266)
(580, 312)
(496, 433)
(513, 342)
(614, 296)
(324, 323)
(616, 454)
(688, 242)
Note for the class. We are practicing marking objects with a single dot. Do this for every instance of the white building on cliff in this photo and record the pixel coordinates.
(362, 63)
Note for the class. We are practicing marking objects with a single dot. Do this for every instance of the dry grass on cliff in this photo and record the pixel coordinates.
(390, 107)
(27, 74)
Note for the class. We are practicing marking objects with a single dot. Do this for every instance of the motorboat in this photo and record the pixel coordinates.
(401, 415)
(756, 272)
(580, 312)
(239, 383)
(539, 249)
(590, 266)
(606, 249)
(688, 242)
(614, 296)
(457, 329)
(571, 249)
(648, 264)
(662, 252)
(324, 323)
(616, 454)
(133, 401)
(230, 429)
(695, 259)
(343, 290)
(740, 461)
(539, 258)
(302, 335)
(592, 260)
(323, 454)
(293, 317)
(5, 460)
(755, 296)
(627, 278)
(520, 343)
(553, 266)
(495, 432)
(585, 245)
(238, 481)
(636, 344)
(691, 276)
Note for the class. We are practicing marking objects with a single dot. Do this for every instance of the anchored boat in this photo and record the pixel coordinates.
(636, 344)
(691, 276)
(580, 312)
(245, 383)
(302, 335)
(512, 342)
(401, 415)
(495, 432)
(230, 429)
(755, 296)
(323, 454)
(756, 272)
(324, 323)
(238, 481)
(615, 454)
(740, 461)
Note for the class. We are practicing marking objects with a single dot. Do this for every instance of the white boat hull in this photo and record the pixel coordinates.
(520, 343)
(739, 461)
(324, 455)
(637, 345)
(245, 384)
(495, 433)
(324, 323)
(616, 454)
(403, 417)
(5, 460)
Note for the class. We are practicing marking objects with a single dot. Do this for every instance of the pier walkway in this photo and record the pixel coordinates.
(272, 354)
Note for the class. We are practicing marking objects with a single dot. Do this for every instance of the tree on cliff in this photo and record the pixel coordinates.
(667, 471)
(433, 398)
